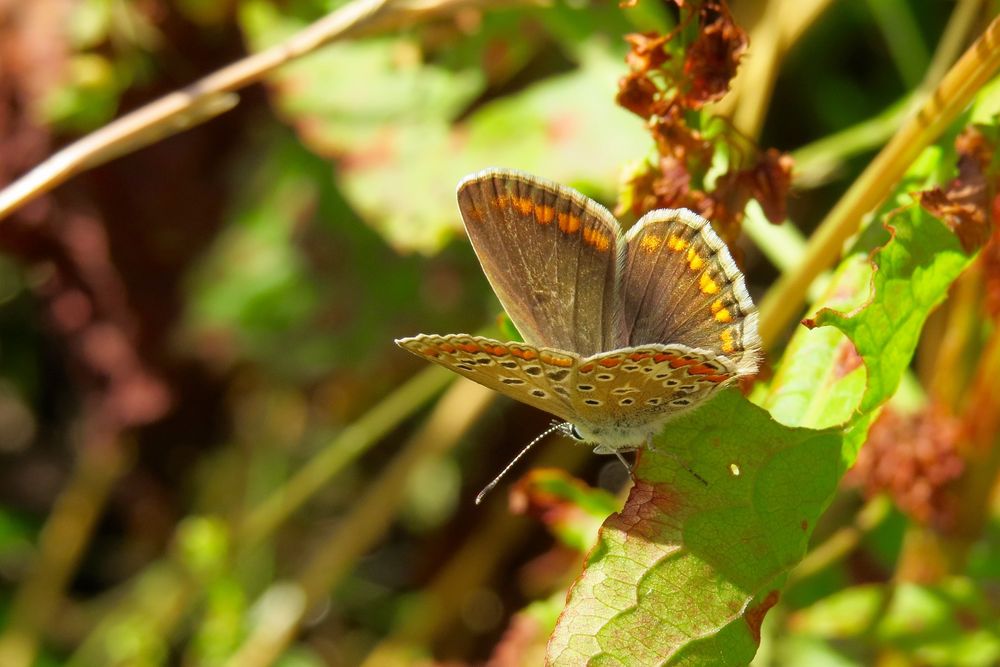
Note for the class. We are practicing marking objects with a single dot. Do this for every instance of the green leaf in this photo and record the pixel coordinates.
(949, 623)
(523, 642)
(687, 570)
(913, 272)
(819, 383)
(380, 106)
(553, 128)
(292, 276)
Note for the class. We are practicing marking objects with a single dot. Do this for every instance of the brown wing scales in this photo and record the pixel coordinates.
(552, 256)
(681, 286)
(532, 375)
(630, 387)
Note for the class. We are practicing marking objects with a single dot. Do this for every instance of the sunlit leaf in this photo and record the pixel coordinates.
(687, 570)
(948, 623)
(820, 379)
(913, 273)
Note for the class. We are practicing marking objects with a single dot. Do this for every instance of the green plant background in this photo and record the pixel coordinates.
(211, 453)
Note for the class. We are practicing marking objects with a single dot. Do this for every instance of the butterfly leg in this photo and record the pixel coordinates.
(630, 468)
(624, 462)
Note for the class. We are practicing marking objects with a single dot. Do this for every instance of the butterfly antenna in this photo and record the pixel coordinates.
(489, 487)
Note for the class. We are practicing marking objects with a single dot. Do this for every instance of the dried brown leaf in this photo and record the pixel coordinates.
(965, 204)
(712, 60)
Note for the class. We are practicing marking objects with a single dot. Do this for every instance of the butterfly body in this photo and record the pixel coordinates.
(622, 331)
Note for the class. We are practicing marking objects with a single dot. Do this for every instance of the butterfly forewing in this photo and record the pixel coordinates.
(680, 285)
(552, 256)
(532, 375)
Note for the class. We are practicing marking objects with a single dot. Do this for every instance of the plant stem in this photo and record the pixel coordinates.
(213, 94)
(63, 539)
(345, 448)
(842, 542)
(816, 161)
(266, 518)
(979, 63)
(774, 28)
(457, 410)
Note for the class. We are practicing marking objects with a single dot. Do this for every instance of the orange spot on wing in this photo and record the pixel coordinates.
(610, 362)
(523, 353)
(678, 362)
(524, 205)
(639, 356)
(553, 360)
(723, 316)
(496, 350)
(596, 238)
(705, 370)
(727, 340)
(544, 214)
(661, 357)
(650, 243)
(676, 243)
(586, 368)
(447, 347)
(569, 223)
(469, 347)
(502, 201)
(706, 284)
(695, 262)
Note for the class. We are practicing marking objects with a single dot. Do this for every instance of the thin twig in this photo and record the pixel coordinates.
(66, 534)
(196, 103)
(214, 94)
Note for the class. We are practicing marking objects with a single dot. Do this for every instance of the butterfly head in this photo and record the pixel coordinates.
(570, 431)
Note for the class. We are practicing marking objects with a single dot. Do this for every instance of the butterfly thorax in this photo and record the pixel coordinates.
(610, 438)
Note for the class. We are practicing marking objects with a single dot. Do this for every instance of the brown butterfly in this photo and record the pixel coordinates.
(622, 330)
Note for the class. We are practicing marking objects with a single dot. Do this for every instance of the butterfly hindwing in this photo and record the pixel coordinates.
(552, 256)
(681, 285)
(622, 390)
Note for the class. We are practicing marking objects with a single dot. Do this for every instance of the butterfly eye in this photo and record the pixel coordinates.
(574, 432)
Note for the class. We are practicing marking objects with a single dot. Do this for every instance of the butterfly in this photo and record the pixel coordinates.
(622, 330)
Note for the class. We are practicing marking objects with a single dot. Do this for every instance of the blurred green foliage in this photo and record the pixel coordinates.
(257, 268)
